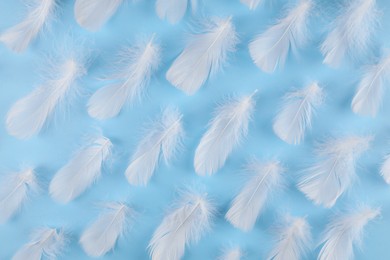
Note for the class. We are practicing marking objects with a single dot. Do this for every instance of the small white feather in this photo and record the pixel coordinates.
(204, 55)
(385, 169)
(162, 140)
(81, 171)
(226, 129)
(182, 227)
(19, 37)
(252, 4)
(343, 232)
(101, 236)
(14, 191)
(173, 10)
(249, 203)
(136, 66)
(232, 254)
(296, 113)
(328, 179)
(369, 95)
(45, 243)
(270, 49)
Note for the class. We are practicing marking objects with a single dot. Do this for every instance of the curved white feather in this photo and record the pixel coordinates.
(232, 254)
(270, 49)
(252, 4)
(227, 128)
(328, 179)
(249, 203)
(385, 169)
(204, 55)
(161, 141)
(92, 14)
(173, 10)
(18, 37)
(81, 171)
(296, 113)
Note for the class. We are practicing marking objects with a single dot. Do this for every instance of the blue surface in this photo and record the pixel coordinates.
(53, 147)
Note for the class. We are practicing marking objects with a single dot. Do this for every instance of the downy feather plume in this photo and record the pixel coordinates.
(182, 227)
(14, 191)
(173, 10)
(328, 179)
(162, 140)
(45, 243)
(136, 66)
(232, 254)
(249, 203)
(204, 55)
(226, 129)
(385, 169)
(369, 95)
(252, 4)
(352, 32)
(343, 232)
(92, 14)
(81, 171)
(18, 37)
(101, 236)
(294, 240)
(270, 49)
(30, 113)
(296, 113)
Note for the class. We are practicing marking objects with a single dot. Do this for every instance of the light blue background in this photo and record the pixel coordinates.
(54, 146)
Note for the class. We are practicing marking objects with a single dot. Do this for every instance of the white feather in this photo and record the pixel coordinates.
(182, 227)
(343, 232)
(294, 240)
(18, 37)
(328, 179)
(101, 236)
(296, 113)
(270, 49)
(162, 140)
(352, 32)
(81, 171)
(369, 95)
(136, 66)
(14, 191)
(249, 203)
(252, 4)
(45, 243)
(227, 128)
(232, 254)
(29, 114)
(92, 14)
(173, 10)
(204, 55)
(385, 169)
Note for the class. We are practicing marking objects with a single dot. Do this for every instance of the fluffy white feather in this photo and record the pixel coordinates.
(81, 171)
(136, 66)
(352, 32)
(385, 169)
(92, 14)
(14, 191)
(343, 232)
(45, 243)
(270, 49)
(173, 10)
(232, 254)
(296, 113)
(250, 201)
(294, 240)
(369, 95)
(30, 113)
(252, 4)
(101, 236)
(18, 37)
(162, 140)
(182, 227)
(205, 54)
(227, 128)
(328, 179)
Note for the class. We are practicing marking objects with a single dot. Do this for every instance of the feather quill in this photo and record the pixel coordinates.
(182, 227)
(328, 179)
(19, 37)
(232, 254)
(137, 64)
(296, 113)
(343, 232)
(173, 10)
(270, 49)
(385, 169)
(44, 243)
(252, 4)
(161, 141)
(204, 55)
(227, 128)
(81, 171)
